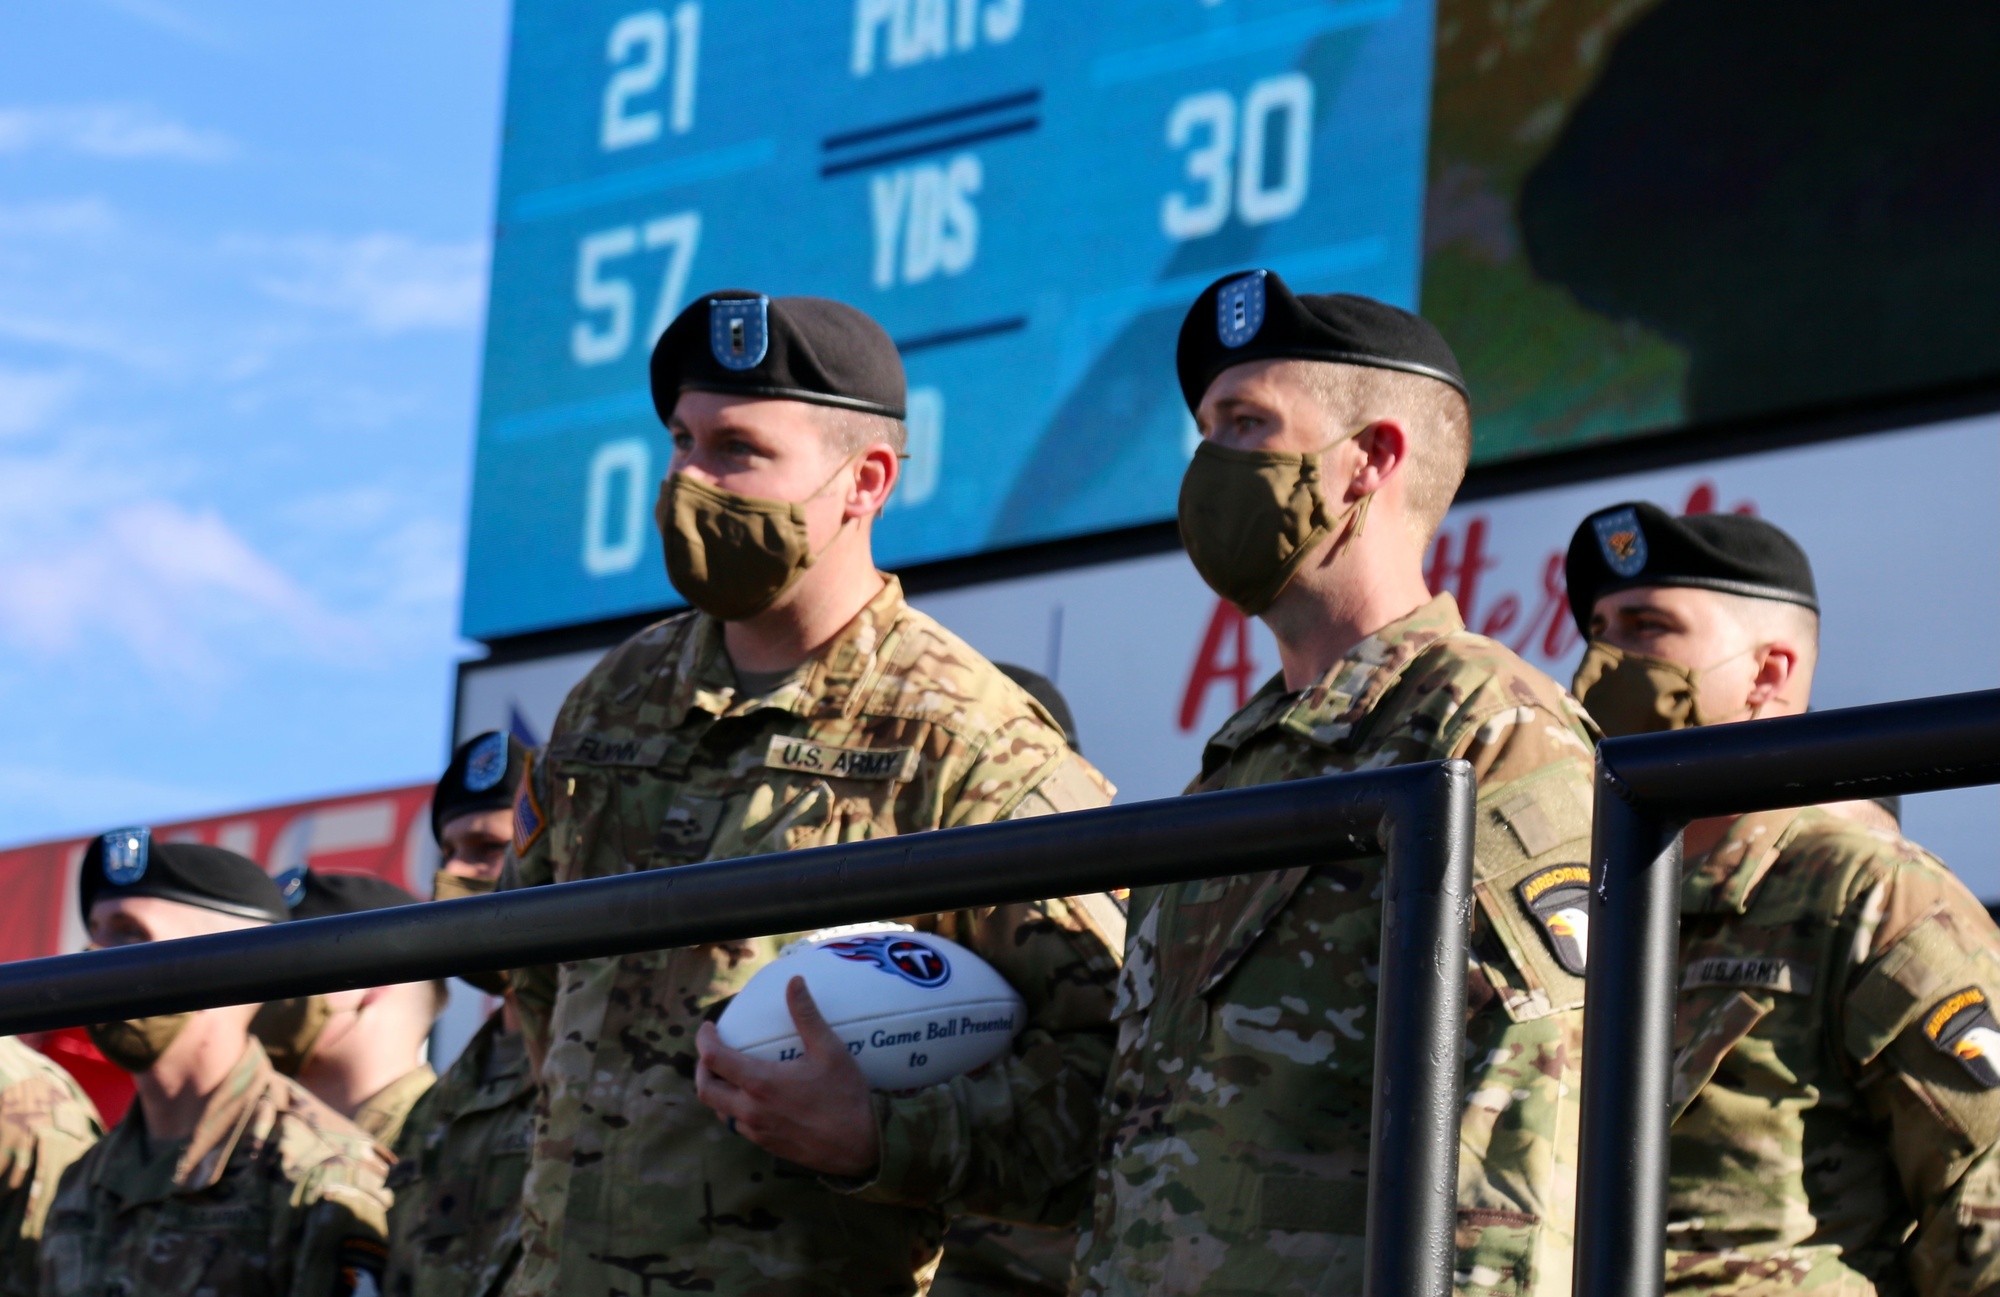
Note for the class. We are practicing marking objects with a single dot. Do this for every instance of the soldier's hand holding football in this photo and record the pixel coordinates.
(814, 1111)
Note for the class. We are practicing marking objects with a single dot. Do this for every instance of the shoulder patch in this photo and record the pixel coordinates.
(362, 1261)
(1559, 898)
(1785, 976)
(1962, 1026)
(807, 756)
(528, 818)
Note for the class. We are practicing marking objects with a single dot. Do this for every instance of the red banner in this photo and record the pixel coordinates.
(387, 834)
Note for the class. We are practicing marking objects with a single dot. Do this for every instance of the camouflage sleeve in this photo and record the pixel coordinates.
(1919, 1018)
(46, 1124)
(1017, 1139)
(343, 1233)
(1518, 1129)
(528, 865)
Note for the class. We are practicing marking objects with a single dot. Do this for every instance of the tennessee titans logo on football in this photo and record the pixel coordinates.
(912, 961)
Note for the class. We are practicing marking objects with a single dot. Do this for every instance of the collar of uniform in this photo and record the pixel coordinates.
(826, 684)
(1723, 879)
(232, 1112)
(1328, 711)
(381, 1113)
(135, 1178)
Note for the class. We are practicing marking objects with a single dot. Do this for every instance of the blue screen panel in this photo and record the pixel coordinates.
(1026, 194)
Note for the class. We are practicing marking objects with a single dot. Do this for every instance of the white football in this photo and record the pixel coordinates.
(913, 1009)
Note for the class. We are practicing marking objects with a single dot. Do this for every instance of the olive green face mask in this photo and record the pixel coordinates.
(1630, 693)
(289, 1029)
(137, 1044)
(732, 555)
(1250, 519)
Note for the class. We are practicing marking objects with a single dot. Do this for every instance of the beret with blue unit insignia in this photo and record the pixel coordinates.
(808, 349)
(1640, 544)
(482, 776)
(131, 862)
(325, 894)
(1254, 316)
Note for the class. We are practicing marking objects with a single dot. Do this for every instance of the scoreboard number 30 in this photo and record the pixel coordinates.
(1236, 160)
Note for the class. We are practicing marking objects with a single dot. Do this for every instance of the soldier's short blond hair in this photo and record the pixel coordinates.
(1434, 414)
(849, 432)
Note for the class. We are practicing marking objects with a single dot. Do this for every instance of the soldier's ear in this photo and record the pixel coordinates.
(1776, 678)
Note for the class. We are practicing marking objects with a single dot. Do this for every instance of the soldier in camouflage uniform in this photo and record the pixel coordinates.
(455, 1228)
(803, 703)
(46, 1123)
(224, 1177)
(1236, 1127)
(1836, 1094)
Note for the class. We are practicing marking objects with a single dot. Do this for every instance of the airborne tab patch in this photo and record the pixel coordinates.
(1559, 898)
(1962, 1026)
(809, 757)
(1785, 976)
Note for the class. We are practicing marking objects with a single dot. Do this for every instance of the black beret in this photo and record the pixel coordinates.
(325, 894)
(484, 775)
(1253, 316)
(1636, 544)
(1043, 690)
(128, 862)
(795, 348)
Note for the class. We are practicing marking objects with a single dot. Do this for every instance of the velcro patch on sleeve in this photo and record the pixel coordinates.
(1785, 976)
(1962, 1026)
(362, 1261)
(528, 818)
(1559, 898)
(806, 756)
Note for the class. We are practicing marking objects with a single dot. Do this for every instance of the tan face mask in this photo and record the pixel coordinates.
(1250, 519)
(451, 887)
(137, 1044)
(732, 555)
(289, 1029)
(1630, 693)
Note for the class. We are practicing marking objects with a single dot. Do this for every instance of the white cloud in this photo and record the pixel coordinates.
(29, 397)
(110, 130)
(166, 583)
(388, 283)
(166, 17)
(62, 218)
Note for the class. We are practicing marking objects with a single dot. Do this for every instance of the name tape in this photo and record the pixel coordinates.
(808, 757)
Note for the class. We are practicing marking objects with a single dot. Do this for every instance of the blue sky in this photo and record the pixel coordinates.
(242, 267)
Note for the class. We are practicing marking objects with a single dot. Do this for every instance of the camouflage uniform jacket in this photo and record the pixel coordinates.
(46, 1123)
(894, 726)
(275, 1193)
(1235, 1151)
(382, 1114)
(455, 1229)
(1837, 1068)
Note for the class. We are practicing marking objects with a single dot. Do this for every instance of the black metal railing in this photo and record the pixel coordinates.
(1648, 788)
(1421, 815)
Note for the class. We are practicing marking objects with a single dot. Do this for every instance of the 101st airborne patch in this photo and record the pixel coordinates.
(1559, 898)
(1962, 1026)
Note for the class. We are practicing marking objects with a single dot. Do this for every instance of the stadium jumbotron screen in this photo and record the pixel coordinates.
(1026, 195)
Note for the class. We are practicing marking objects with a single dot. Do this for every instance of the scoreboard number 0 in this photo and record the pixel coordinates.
(637, 50)
(1236, 160)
